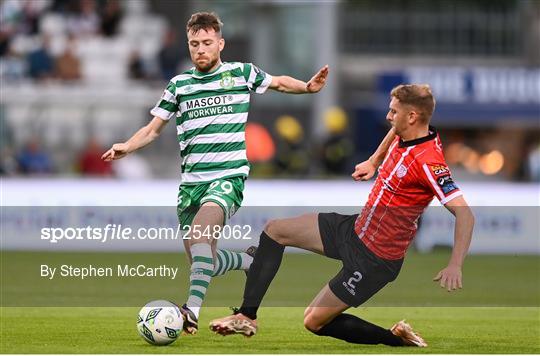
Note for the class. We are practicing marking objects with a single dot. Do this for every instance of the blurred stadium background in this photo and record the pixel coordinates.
(79, 75)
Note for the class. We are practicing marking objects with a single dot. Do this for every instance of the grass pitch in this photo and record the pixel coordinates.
(498, 311)
(112, 330)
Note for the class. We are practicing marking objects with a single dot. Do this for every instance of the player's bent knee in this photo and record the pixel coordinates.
(311, 323)
(272, 229)
(269, 227)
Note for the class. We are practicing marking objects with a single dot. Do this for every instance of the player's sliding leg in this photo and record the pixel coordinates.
(202, 245)
(262, 271)
(302, 232)
(409, 337)
(324, 317)
(362, 276)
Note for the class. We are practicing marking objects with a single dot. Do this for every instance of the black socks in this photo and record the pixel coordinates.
(352, 329)
(261, 273)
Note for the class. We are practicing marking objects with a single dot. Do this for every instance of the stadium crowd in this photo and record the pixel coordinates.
(44, 39)
(78, 43)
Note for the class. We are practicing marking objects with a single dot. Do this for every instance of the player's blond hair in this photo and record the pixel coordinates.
(204, 21)
(417, 95)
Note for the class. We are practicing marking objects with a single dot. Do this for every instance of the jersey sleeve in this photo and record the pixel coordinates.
(438, 178)
(257, 80)
(167, 106)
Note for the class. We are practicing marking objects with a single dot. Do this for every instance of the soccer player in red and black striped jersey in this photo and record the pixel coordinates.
(372, 244)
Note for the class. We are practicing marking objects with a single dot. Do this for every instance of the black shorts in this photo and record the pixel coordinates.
(363, 273)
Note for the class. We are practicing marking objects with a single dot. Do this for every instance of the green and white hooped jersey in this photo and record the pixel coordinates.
(211, 112)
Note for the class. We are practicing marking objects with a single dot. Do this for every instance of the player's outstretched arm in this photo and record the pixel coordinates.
(290, 85)
(365, 170)
(140, 139)
(450, 277)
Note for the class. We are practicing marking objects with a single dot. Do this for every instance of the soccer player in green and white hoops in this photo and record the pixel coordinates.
(210, 103)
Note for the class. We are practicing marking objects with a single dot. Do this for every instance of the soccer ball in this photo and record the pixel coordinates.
(160, 322)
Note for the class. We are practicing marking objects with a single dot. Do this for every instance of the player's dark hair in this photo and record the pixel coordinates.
(204, 21)
(417, 95)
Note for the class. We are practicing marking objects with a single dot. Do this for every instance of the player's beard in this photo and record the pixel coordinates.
(208, 66)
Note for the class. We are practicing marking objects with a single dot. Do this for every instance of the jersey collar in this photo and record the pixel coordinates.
(432, 135)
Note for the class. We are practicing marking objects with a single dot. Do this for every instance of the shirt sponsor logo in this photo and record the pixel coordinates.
(213, 111)
(210, 101)
(439, 170)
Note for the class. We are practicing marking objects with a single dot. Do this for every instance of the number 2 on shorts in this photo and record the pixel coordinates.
(355, 280)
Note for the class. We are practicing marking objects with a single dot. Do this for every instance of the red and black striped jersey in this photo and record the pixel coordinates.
(410, 175)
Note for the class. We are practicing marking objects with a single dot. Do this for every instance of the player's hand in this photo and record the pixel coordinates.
(449, 278)
(117, 151)
(316, 83)
(364, 171)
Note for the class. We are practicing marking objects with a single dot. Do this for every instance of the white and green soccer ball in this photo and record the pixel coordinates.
(160, 322)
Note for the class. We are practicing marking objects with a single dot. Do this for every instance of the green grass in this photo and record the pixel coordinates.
(498, 311)
(112, 330)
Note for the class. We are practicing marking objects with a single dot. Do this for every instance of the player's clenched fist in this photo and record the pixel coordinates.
(117, 151)
(364, 171)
